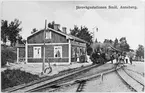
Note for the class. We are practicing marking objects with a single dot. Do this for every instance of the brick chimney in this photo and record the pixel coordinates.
(56, 26)
(64, 30)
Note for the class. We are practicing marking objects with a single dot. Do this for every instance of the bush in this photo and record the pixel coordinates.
(10, 78)
(7, 55)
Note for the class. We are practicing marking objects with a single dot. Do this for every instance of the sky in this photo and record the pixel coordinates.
(111, 23)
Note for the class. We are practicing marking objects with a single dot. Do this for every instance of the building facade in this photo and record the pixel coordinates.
(60, 48)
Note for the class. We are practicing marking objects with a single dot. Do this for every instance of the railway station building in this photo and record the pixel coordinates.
(60, 47)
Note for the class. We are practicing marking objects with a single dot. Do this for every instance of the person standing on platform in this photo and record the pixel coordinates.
(126, 59)
(130, 60)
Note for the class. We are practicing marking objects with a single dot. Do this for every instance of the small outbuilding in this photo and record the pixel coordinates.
(60, 47)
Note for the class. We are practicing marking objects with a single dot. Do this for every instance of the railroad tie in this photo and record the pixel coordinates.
(81, 85)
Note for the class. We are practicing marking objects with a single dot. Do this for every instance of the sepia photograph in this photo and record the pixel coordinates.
(72, 46)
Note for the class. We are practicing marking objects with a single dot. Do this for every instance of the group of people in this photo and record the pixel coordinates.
(124, 58)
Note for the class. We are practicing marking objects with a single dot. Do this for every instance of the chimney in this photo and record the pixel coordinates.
(56, 26)
(64, 30)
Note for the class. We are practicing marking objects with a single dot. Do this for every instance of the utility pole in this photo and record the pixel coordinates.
(96, 29)
(43, 64)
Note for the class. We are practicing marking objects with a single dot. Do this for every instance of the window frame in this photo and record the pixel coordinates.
(60, 50)
(34, 52)
(48, 35)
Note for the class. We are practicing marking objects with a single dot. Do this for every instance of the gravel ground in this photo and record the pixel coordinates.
(137, 66)
(91, 72)
(111, 83)
(96, 85)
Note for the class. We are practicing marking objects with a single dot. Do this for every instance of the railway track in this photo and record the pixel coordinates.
(84, 80)
(131, 81)
(81, 82)
(48, 82)
(69, 79)
(142, 74)
(77, 78)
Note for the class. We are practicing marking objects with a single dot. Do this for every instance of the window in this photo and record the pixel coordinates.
(57, 51)
(48, 35)
(78, 51)
(36, 52)
(73, 52)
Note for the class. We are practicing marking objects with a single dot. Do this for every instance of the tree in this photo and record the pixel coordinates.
(34, 30)
(82, 33)
(109, 41)
(4, 30)
(140, 51)
(96, 41)
(75, 31)
(116, 43)
(106, 41)
(10, 31)
(51, 25)
(124, 46)
(21, 40)
(14, 30)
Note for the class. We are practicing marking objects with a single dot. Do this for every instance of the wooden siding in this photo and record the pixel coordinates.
(36, 38)
(22, 52)
(58, 38)
(49, 53)
(55, 38)
(52, 60)
(30, 50)
(74, 48)
(50, 50)
(78, 43)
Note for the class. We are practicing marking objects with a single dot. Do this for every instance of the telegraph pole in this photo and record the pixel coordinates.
(96, 28)
(43, 64)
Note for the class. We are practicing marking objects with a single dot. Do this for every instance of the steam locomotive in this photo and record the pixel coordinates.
(102, 53)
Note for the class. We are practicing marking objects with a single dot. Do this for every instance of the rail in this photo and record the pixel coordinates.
(38, 83)
(130, 81)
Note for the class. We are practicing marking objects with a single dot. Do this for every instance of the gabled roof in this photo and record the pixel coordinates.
(35, 33)
(69, 36)
(64, 34)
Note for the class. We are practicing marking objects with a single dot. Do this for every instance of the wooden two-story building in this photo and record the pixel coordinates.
(60, 48)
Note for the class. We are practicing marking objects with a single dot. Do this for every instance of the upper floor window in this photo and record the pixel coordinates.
(48, 35)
